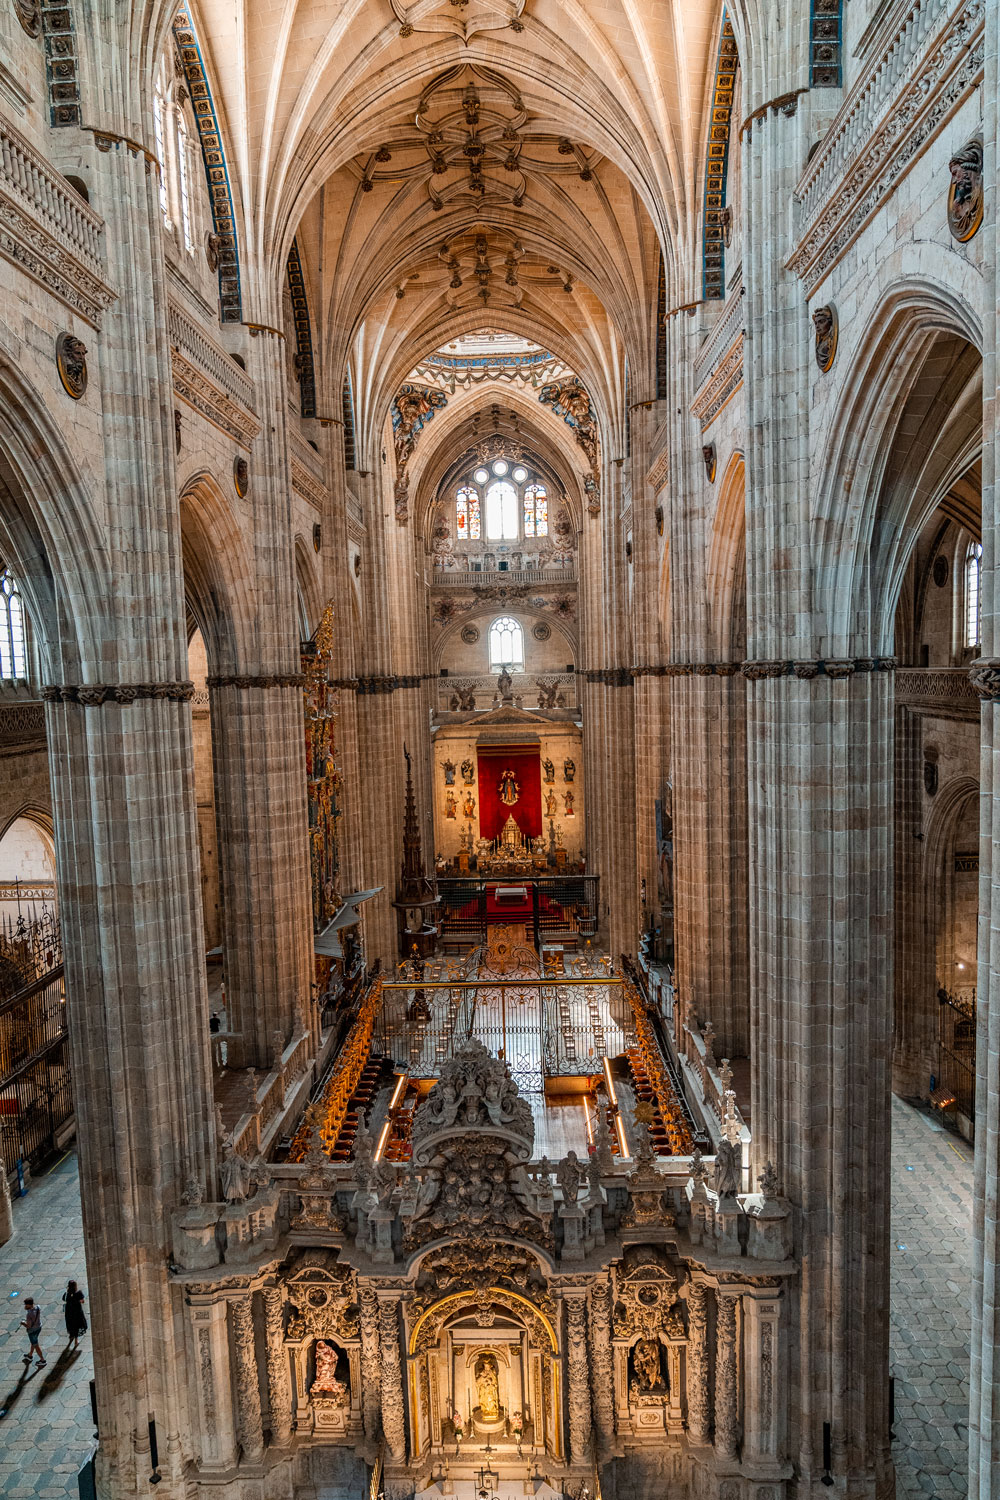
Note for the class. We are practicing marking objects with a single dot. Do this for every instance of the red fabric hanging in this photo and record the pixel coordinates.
(527, 810)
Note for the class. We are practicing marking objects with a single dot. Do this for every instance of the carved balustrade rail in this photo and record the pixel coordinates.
(471, 578)
(49, 197)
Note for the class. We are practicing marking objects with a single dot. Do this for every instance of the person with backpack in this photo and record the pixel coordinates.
(32, 1323)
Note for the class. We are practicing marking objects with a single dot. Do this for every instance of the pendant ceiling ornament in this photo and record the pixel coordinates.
(471, 141)
(464, 18)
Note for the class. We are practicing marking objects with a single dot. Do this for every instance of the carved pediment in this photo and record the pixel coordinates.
(646, 1297)
(475, 1093)
(324, 1301)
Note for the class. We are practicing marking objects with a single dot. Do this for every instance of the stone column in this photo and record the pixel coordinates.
(602, 1363)
(577, 1376)
(212, 1395)
(279, 1386)
(699, 1413)
(371, 1364)
(727, 1395)
(984, 1409)
(393, 1403)
(6, 1210)
(763, 1388)
(260, 802)
(247, 1379)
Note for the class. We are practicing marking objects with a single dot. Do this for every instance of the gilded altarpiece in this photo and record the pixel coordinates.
(321, 700)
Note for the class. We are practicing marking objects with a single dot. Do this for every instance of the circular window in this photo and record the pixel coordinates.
(481, 476)
(500, 467)
(519, 475)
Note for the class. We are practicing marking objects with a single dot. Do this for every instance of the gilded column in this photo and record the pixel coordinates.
(602, 1362)
(279, 1386)
(393, 1423)
(247, 1379)
(577, 1377)
(371, 1364)
(727, 1416)
(699, 1412)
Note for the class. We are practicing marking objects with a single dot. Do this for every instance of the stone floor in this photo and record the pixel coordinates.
(46, 1429)
(930, 1297)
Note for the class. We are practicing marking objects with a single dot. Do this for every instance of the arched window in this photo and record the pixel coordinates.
(501, 512)
(185, 191)
(13, 649)
(973, 578)
(468, 526)
(161, 152)
(536, 511)
(506, 645)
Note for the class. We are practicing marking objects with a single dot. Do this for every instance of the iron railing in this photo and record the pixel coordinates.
(957, 1049)
(35, 1096)
(556, 907)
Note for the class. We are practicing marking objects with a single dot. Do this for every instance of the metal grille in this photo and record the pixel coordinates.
(957, 1037)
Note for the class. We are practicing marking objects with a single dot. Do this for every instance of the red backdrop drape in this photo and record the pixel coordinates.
(527, 810)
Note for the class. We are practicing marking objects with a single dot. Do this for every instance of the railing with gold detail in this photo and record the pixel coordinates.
(327, 1112)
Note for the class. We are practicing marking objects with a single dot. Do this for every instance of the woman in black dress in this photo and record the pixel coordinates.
(76, 1323)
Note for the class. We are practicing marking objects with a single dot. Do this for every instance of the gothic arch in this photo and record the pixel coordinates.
(217, 573)
(428, 1325)
(914, 394)
(308, 585)
(727, 561)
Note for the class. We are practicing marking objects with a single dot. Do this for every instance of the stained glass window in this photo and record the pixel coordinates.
(973, 577)
(13, 652)
(468, 525)
(501, 512)
(536, 511)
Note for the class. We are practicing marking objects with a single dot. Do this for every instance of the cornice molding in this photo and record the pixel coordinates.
(811, 667)
(94, 694)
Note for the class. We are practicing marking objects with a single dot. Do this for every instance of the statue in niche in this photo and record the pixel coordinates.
(569, 770)
(326, 1383)
(450, 805)
(468, 773)
(510, 788)
(548, 770)
(965, 196)
(568, 799)
(550, 805)
(469, 806)
(647, 1365)
(488, 1387)
(449, 773)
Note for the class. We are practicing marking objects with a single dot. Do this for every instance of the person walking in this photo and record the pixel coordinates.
(76, 1323)
(32, 1323)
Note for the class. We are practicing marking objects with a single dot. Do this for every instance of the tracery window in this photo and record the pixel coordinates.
(973, 593)
(506, 645)
(501, 512)
(468, 522)
(183, 184)
(161, 153)
(13, 647)
(536, 511)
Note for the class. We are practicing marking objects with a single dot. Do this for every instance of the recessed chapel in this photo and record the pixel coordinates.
(500, 798)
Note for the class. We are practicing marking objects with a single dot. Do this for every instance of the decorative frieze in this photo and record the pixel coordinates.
(918, 685)
(877, 137)
(270, 680)
(93, 694)
(61, 63)
(756, 671)
(725, 380)
(48, 231)
(305, 485)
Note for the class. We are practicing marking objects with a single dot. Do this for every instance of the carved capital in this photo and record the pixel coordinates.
(756, 671)
(985, 678)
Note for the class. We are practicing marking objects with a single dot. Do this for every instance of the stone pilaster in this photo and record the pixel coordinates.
(247, 1379)
(984, 1407)
(699, 1410)
(211, 1400)
(279, 1385)
(371, 1365)
(393, 1419)
(602, 1363)
(762, 1384)
(577, 1377)
(727, 1395)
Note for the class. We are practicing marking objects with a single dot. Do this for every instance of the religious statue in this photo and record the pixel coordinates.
(450, 805)
(708, 458)
(548, 770)
(646, 1359)
(488, 1388)
(237, 1177)
(569, 770)
(468, 771)
(510, 788)
(825, 324)
(469, 806)
(505, 685)
(551, 807)
(568, 799)
(326, 1382)
(568, 1174)
(726, 1181)
(449, 773)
